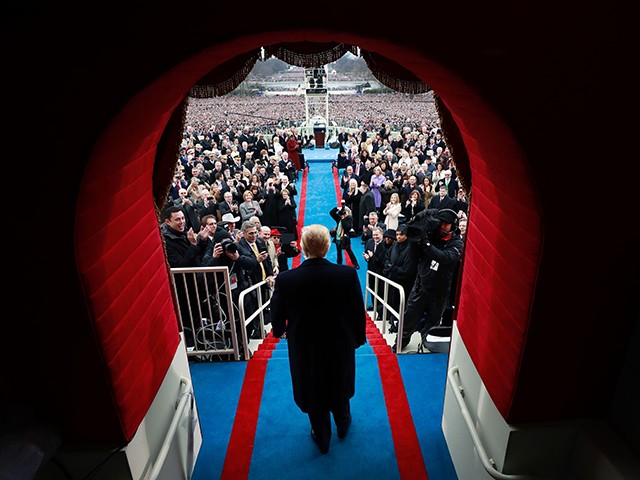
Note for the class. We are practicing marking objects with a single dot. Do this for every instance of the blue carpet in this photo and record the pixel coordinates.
(424, 379)
(217, 389)
(283, 445)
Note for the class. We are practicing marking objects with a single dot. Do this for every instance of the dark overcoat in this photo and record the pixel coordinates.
(320, 306)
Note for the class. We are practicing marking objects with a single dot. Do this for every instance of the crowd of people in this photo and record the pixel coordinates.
(266, 113)
(233, 199)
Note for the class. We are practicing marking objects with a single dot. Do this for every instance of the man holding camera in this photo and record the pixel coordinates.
(433, 237)
(343, 232)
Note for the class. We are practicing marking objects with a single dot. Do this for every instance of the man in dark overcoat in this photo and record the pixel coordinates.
(319, 306)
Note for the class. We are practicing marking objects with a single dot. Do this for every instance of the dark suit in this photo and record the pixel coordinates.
(254, 273)
(438, 203)
(322, 336)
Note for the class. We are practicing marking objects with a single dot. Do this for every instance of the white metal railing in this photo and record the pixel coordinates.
(488, 463)
(211, 314)
(244, 321)
(184, 399)
(384, 300)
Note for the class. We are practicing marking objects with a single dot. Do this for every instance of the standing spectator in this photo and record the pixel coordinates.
(249, 207)
(376, 183)
(262, 270)
(270, 205)
(207, 205)
(323, 379)
(371, 221)
(367, 204)
(278, 148)
(229, 204)
(450, 183)
(287, 216)
(292, 147)
(392, 212)
(428, 190)
(408, 187)
(187, 205)
(437, 174)
(264, 234)
(386, 191)
(284, 251)
(345, 180)
(442, 200)
(414, 205)
(367, 173)
(285, 183)
(229, 222)
(352, 198)
(375, 250)
(400, 266)
(462, 202)
(184, 248)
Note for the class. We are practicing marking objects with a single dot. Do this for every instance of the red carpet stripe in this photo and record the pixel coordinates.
(240, 449)
(302, 202)
(405, 438)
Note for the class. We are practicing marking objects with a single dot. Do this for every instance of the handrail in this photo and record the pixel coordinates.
(489, 464)
(386, 307)
(186, 395)
(259, 311)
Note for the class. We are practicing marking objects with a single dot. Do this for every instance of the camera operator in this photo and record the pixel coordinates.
(433, 237)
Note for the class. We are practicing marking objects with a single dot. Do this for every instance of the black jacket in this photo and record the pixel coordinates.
(300, 304)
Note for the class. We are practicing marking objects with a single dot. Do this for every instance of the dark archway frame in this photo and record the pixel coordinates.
(121, 259)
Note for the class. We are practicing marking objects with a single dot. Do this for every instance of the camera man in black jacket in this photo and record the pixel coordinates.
(433, 236)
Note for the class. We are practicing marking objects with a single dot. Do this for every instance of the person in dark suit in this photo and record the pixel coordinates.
(442, 200)
(322, 367)
(375, 250)
(252, 247)
(401, 265)
(451, 184)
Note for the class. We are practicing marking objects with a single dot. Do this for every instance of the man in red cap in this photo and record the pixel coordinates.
(283, 251)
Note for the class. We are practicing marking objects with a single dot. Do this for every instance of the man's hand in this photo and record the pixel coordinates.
(191, 236)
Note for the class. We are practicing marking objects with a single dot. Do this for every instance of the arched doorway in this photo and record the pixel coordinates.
(121, 258)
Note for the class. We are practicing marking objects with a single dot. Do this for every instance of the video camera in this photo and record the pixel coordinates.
(425, 222)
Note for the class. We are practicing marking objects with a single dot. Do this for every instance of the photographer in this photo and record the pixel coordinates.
(223, 252)
(343, 232)
(435, 242)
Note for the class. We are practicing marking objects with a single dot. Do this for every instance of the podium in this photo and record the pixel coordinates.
(319, 132)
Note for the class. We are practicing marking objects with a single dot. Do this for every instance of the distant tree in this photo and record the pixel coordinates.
(267, 68)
